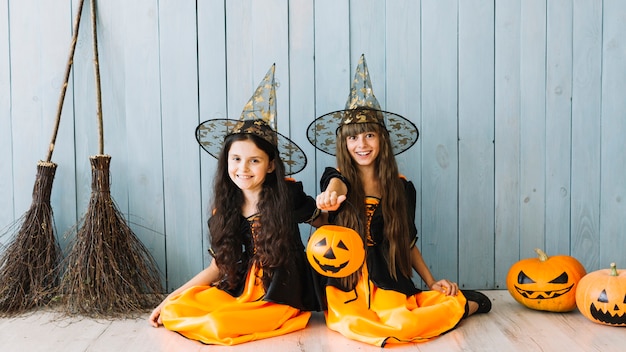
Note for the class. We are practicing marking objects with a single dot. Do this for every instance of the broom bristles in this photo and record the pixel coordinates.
(29, 266)
(109, 270)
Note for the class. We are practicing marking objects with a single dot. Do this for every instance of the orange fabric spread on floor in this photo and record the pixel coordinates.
(212, 316)
(392, 317)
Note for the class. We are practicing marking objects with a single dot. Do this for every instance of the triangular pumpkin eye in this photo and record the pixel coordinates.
(603, 298)
(562, 279)
(624, 299)
(524, 279)
(342, 245)
(321, 243)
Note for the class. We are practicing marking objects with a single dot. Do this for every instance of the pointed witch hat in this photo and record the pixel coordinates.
(259, 118)
(361, 107)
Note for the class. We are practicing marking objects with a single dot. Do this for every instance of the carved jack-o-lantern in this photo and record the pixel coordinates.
(601, 296)
(335, 251)
(545, 283)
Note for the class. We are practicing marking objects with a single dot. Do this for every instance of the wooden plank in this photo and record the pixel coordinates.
(270, 44)
(402, 73)
(7, 216)
(38, 61)
(508, 327)
(507, 147)
(332, 64)
(532, 125)
(439, 140)
(613, 158)
(476, 146)
(558, 125)
(258, 38)
(302, 90)
(368, 25)
(63, 197)
(178, 48)
(211, 94)
(45, 330)
(137, 164)
(37, 67)
(85, 124)
(133, 334)
(586, 132)
(241, 78)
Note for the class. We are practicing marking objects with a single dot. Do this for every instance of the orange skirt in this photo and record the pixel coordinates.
(212, 316)
(378, 317)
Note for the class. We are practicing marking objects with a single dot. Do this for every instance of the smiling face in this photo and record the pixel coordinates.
(335, 251)
(248, 165)
(364, 148)
(601, 296)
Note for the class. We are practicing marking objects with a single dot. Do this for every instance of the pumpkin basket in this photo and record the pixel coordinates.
(335, 251)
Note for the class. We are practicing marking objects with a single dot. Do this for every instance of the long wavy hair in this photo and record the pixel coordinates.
(227, 240)
(393, 200)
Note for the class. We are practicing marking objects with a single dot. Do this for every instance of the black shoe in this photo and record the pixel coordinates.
(484, 303)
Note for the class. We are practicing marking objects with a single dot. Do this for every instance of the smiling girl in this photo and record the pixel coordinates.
(258, 284)
(379, 304)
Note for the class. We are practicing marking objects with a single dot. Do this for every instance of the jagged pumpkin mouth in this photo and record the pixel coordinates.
(330, 268)
(548, 294)
(607, 317)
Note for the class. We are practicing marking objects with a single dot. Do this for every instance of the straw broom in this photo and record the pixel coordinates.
(109, 271)
(29, 267)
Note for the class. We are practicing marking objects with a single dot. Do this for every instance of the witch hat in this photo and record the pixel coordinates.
(259, 118)
(361, 107)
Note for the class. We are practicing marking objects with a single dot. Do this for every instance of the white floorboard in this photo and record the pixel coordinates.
(508, 327)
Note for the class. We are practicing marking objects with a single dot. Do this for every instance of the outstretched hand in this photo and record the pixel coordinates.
(329, 200)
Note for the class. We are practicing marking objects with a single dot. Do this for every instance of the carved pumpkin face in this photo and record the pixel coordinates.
(335, 251)
(545, 283)
(601, 296)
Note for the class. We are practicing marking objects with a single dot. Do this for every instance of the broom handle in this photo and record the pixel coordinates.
(96, 67)
(68, 68)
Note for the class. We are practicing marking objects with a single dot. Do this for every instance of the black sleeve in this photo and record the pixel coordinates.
(329, 174)
(411, 201)
(303, 205)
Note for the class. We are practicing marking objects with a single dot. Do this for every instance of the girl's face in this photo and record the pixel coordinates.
(248, 165)
(364, 148)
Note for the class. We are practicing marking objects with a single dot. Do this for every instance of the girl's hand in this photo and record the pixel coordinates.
(329, 200)
(447, 287)
(155, 317)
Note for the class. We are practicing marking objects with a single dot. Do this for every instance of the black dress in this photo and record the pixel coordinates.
(377, 246)
(291, 284)
(379, 310)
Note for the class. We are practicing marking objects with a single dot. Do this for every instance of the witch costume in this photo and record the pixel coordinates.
(380, 309)
(259, 306)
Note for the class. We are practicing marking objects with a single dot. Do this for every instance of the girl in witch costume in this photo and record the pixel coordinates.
(259, 284)
(379, 304)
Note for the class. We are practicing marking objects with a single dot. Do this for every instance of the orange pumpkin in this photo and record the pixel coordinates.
(601, 296)
(545, 283)
(335, 251)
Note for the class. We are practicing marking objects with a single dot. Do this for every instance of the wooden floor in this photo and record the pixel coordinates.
(508, 327)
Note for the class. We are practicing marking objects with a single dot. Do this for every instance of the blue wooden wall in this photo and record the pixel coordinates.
(521, 106)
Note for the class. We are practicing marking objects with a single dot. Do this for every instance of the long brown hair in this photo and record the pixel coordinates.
(393, 201)
(273, 236)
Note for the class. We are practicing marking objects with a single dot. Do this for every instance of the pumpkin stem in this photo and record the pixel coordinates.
(613, 270)
(542, 255)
